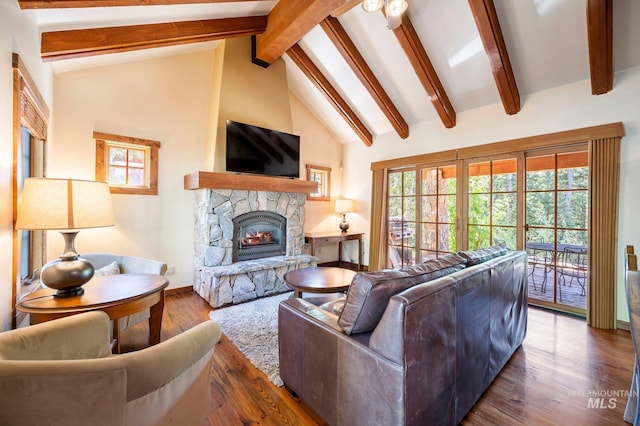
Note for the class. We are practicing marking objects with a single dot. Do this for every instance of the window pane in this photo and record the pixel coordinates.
(479, 177)
(448, 180)
(504, 175)
(479, 237)
(577, 178)
(117, 156)
(136, 177)
(572, 209)
(541, 173)
(394, 183)
(540, 209)
(409, 183)
(429, 208)
(429, 236)
(447, 238)
(410, 234)
(136, 158)
(577, 238)
(504, 209)
(409, 212)
(506, 236)
(428, 255)
(446, 208)
(117, 175)
(397, 233)
(429, 181)
(479, 211)
(395, 208)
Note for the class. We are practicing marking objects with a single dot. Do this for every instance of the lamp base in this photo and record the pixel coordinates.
(67, 276)
(69, 272)
(344, 226)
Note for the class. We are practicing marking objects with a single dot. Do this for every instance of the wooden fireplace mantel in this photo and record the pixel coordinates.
(210, 180)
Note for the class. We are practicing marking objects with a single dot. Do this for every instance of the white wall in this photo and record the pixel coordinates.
(563, 108)
(165, 99)
(19, 34)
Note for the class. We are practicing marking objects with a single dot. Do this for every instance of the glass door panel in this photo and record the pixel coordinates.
(556, 201)
(492, 203)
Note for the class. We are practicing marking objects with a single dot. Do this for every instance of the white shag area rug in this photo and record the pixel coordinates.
(253, 328)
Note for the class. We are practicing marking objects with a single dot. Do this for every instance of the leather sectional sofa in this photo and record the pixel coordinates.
(415, 346)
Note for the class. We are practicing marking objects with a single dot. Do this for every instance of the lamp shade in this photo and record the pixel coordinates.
(344, 206)
(64, 204)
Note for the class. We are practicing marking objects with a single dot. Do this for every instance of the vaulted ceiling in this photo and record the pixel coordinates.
(361, 78)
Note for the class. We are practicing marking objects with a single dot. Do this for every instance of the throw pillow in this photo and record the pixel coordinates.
(475, 257)
(335, 306)
(370, 292)
(110, 269)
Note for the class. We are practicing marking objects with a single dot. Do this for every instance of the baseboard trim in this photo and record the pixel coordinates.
(623, 325)
(178, 290)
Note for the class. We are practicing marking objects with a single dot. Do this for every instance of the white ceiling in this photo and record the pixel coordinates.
(546, 41)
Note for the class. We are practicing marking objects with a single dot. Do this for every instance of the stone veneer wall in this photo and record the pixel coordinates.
(217, 279)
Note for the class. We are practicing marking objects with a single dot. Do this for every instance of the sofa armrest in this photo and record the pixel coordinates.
(82, 336)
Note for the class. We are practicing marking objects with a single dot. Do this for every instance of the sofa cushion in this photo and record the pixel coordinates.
(370, 292)
(110, 269)
(475, 257)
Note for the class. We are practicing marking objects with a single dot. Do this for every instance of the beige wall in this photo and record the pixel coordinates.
(249, 94)
(165, 99)
(320, 148)
(19, 34)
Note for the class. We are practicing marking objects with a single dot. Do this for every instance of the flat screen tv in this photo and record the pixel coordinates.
(253, 149)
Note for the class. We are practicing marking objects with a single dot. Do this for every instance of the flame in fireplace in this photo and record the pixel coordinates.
(260, 237)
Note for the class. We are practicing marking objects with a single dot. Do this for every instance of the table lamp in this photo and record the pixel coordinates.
(66, 205)
(343, 207)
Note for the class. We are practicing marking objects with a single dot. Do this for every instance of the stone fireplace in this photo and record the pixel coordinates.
(258, 234)
(268, 225)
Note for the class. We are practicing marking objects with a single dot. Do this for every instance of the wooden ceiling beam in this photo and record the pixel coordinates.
(63, 4)
(337, 34)
(347, 6)
(58, 45)
(484, 13)
(413, 48)
(306, 65)
(600, 39)
(289, 21)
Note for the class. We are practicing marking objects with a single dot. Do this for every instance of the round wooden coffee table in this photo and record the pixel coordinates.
(116, 295)
(319, 280)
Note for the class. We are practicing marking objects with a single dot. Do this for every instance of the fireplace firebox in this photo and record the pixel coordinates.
(259, 234)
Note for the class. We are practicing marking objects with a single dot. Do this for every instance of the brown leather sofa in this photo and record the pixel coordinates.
(426, 359)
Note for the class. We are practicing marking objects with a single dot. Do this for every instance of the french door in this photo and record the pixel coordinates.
(556, 201)
(535, 201)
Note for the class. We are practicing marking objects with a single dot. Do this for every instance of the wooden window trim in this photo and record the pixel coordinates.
(31, 111)
(327, 195)
(101, 168)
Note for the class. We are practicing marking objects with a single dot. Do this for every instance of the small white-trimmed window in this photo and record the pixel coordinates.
(129, 165)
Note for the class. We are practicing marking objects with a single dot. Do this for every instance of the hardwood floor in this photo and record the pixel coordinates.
(565, 373)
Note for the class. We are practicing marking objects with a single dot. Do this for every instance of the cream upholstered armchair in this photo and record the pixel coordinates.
(62, 372)
(111, 264)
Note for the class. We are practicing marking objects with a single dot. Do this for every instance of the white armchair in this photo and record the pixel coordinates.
(62, 372)
(126, 265)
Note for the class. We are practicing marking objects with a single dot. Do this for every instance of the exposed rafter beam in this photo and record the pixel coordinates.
(484, 13)
(345, 8)
(413, 48)
(600, 36)
(62, 4)
(289, 20)
(337, 34)
(300, 58)
(97, 41)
